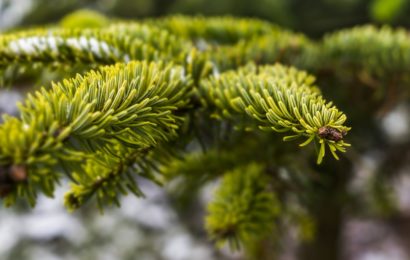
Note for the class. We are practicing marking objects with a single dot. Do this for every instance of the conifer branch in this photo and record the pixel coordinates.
(59, 47)
(278, 46)
(378, 51)
(105, 176)
(130, 105)
(96, 128)
(374, 58)
(232, 42)
(279, 99)
(214, 30)
(243, 209)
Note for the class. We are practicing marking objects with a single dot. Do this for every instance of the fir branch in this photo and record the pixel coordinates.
(105, 176)
(278, 46)
(375, 59)
(59, 47)
(279, 99)
(214, 30)
(243, 209)
(133, 105)
(378, 51)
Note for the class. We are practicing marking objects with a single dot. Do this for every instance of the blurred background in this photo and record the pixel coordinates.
(152, 228)
(313, 17)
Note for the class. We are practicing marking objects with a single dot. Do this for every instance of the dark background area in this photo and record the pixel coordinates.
(313, 17)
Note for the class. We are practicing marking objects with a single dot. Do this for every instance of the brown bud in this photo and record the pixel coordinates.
(331, 133)
(18, 173)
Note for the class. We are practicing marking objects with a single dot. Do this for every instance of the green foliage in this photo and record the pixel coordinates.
(243, 209)
(379, 52)
(387, 10)
(279, 99)
(190, 100)
(232, 42)
(277, 46)
(215, 30)
(375, 60)
(187, 101)
(106, 176)
(85, 119)
(84, 19)
(59, 47)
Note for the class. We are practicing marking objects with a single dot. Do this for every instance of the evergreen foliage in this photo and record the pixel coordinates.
(280, 99)
(106, 118)
(243, 211)
(149, 93)
(377, 51)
